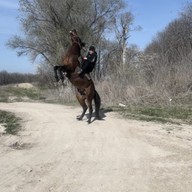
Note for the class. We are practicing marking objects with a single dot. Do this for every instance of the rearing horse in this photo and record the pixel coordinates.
(70, 60)
(85, 88)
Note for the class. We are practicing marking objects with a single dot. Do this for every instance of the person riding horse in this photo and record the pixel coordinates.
(89, 62)
(85, 88)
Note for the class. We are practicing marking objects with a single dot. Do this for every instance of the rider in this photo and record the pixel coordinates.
(89, 62)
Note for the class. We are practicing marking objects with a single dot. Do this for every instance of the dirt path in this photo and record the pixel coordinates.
(56, 153)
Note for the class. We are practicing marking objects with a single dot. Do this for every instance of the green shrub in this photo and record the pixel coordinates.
(10, 121)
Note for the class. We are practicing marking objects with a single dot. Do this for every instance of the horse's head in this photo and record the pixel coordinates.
(75, 39)
(73, 33)
(70, 60)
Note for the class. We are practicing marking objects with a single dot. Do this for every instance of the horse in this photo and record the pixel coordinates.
(70, 61)
(85, 88)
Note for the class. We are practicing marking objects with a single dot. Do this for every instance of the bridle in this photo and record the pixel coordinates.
(77, 41)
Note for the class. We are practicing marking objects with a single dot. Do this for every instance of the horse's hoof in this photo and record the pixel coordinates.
(79, 118)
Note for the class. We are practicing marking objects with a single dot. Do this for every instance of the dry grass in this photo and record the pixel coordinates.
(60, 94)
(15, 92)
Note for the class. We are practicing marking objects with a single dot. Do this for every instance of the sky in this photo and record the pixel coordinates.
(152, 15)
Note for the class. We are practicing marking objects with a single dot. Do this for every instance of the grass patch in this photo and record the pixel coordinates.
(22, 92)
(18, 93)
(10, 122)
(3, 99)
(163, 114)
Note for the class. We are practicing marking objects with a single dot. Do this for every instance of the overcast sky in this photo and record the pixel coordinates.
(152, 15)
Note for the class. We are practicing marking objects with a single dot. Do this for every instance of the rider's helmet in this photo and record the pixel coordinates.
(92, 48)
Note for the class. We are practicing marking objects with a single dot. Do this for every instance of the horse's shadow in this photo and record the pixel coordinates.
(102, 114)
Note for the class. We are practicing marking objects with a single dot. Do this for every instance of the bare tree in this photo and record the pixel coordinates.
(175, 42)
(9, 78)
(173, 48)
(46, 24)
(122, 26)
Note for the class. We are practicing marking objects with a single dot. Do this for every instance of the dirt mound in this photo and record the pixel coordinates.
(25, 85)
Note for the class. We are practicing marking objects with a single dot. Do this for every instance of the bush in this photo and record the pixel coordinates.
(10, 121)
(12, 78)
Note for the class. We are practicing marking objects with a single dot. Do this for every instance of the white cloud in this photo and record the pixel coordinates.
(9, 4)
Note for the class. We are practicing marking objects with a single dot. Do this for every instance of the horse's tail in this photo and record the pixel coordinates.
(97, 101)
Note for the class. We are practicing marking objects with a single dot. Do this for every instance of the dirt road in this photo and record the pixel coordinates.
(56, 153)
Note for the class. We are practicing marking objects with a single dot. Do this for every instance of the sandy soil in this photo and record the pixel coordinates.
(56, 153)
(24, 85)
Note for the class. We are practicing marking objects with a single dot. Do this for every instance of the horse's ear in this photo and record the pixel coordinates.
(83, 44)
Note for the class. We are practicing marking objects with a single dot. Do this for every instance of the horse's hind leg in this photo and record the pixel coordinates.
(81, 99)
(89, 102)
(97, 101)
(89, 97)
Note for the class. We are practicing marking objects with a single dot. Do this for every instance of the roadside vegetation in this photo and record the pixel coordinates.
(14, 93)
(13, 78)
(162, 114)
(10, 122)
(153, 84)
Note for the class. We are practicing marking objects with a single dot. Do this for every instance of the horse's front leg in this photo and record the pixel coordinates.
(60, 72)
(55, 72)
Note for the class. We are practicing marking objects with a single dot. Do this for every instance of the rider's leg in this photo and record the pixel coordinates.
(85, 69)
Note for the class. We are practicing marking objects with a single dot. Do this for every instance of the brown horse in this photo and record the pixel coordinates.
(85, 88)
(70, 60)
